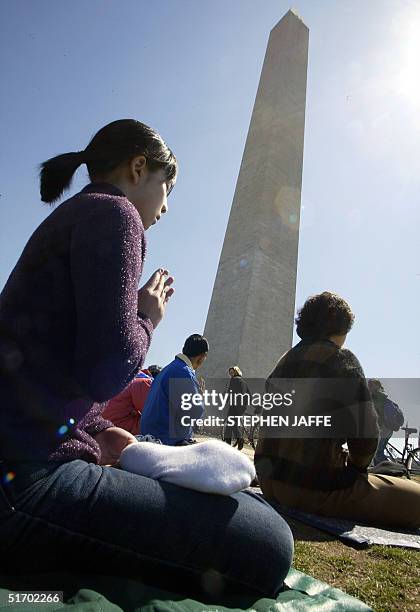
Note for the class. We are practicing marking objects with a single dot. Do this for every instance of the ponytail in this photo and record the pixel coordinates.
(56, 175)
(114, 144)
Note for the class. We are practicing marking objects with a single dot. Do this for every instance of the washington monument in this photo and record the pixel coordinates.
(250, 318)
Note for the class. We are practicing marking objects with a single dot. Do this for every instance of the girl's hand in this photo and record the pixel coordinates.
(112, 442)
(154, 295)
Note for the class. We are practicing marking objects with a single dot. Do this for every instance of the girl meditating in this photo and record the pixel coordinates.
(74, 331)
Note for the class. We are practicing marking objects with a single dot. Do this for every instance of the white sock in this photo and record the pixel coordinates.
(211, 466)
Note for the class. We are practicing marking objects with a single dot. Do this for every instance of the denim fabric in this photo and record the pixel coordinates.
(83, 516)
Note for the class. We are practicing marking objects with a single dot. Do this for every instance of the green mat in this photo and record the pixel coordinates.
(94, 593)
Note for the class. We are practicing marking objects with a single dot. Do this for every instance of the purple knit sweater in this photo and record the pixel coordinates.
(70, 335)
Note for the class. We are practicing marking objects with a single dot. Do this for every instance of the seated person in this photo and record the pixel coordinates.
(381, 402)
(163, 411)
(124, 410)
(74, 330)
(316, 474)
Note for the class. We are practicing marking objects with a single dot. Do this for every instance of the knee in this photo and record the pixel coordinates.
(278, 552)
(273, 551)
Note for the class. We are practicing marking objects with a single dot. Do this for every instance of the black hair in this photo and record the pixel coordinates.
(195, 345)
(154, 370)
(115, 143)
(324, 315)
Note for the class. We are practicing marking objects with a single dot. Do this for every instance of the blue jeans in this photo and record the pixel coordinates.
(85, 517)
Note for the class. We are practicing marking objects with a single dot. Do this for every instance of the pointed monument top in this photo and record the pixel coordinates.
(291, 13)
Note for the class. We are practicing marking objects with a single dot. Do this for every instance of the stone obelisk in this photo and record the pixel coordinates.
(250, 318)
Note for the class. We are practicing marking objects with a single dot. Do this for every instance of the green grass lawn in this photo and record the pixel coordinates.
(385, 578)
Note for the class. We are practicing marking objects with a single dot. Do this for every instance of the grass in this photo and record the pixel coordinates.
(386, 579)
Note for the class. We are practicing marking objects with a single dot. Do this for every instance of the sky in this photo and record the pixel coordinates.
(190, 69)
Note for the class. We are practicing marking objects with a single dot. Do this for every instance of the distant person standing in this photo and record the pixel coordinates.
(163, 411)
(390, 417)
(237, 390)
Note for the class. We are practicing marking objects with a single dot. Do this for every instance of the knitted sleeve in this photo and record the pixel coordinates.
(93, 422)
(106, 261)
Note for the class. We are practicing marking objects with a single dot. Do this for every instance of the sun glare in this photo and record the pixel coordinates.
(408, 80)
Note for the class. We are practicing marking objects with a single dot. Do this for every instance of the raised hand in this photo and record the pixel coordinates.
(154, 295)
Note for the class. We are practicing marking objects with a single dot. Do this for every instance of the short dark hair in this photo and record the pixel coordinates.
(154, 370)
(324, 315)
(115, 143)
(195, 345)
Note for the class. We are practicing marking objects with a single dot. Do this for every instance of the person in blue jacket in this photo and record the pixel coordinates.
(165, 404)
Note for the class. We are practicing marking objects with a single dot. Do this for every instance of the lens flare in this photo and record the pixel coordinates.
(407, 31)
(8, 477)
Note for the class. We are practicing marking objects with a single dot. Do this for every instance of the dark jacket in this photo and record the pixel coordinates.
(320, 463)
(379, 399)
(239, 388)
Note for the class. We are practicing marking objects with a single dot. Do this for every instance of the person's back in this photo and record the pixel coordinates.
(238, 389)
(160, 413)
(315, 462)
(125, 409)
(390, 417)
(155, 416)
(164, 410)
(313, 473)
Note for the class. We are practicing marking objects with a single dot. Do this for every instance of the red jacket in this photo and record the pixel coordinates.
(125, 409)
